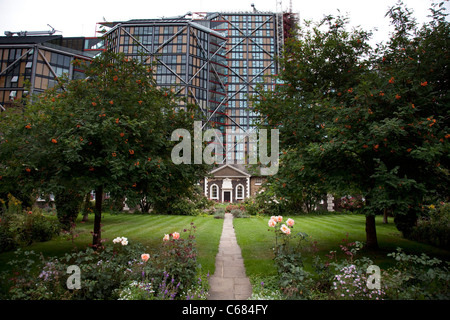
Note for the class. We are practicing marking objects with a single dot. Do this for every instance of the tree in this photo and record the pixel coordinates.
(294, 188)
(372, 121)
(109, 132)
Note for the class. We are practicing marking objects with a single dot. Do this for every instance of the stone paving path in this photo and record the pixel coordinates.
(229, 282)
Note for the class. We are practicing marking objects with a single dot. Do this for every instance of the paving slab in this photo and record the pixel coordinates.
(229, 281)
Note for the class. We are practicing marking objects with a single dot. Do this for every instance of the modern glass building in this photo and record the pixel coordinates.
(39, 60)
(186, 57)
(251, 51)
(215, 60)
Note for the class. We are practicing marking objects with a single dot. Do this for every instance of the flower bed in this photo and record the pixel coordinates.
(348, 276)
(121, 269)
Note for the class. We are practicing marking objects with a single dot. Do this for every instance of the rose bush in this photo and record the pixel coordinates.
(120, 269)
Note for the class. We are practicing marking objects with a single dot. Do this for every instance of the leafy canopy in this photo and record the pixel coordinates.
(363, 119)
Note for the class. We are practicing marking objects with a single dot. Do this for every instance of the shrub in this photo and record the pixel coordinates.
(434, 226)
(219, 213)
(166, 290)
(294, 280)
(351, 283)
(232, 207)
(183, 206)
(178, 257)
(192, 204)
(350, 203)
(68, 204)
(417, 277)
(102, 273)
(22, 227)
(239, 213)
(105, 270)
(266, 288)
(137, 290)
(7, 242)
(113, 204)
(42, 227)
(33, 278)
(117, 270)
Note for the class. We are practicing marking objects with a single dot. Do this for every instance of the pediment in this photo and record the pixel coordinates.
(228, 171)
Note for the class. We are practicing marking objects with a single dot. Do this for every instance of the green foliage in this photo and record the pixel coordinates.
(263, 204)
(434, 226)
(294, 281)
(68, 204)
(293, 189)
(265, 288)
(219, 213)
(344, 276)
(178, 258)
(360, 120)
(239, 213)
(351, 203)
(26, 282)
(117, 270)
(231, 207)
(417, 277)
(111, 204)
(22, 227)
(109, 132)
(192, 203)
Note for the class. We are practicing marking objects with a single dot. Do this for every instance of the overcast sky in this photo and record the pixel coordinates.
(80, 17)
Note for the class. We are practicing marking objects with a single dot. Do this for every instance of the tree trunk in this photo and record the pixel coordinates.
(385, 216)
(371, 233)
(97, 235)
(86, 207)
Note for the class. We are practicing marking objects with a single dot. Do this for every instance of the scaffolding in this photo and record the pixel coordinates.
(252, 41)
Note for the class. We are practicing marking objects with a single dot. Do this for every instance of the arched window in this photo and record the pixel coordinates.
(214, 192)
(240, 192)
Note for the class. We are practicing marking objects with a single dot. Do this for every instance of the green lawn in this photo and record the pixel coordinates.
(328, 231)
(147, 229)
(252, 233)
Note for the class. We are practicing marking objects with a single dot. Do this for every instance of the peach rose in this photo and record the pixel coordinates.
(272, 223)
(290, 222)
(285, 229)
(145, 257)
(176, 235)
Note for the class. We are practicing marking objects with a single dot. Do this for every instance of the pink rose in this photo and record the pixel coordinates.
(279, 218)
(176, 235)
(145, 257)
(272, 223)
(285, 229)
(290, 222)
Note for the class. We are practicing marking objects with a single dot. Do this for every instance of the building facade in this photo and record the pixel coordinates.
(251, 51)
(217, 60)
(186, 57)
(231, 183)
(39, 60)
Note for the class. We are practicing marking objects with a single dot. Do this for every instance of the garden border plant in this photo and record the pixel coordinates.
(348, 276)
(120, 269)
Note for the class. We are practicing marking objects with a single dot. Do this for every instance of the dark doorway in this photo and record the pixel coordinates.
(226, 196)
